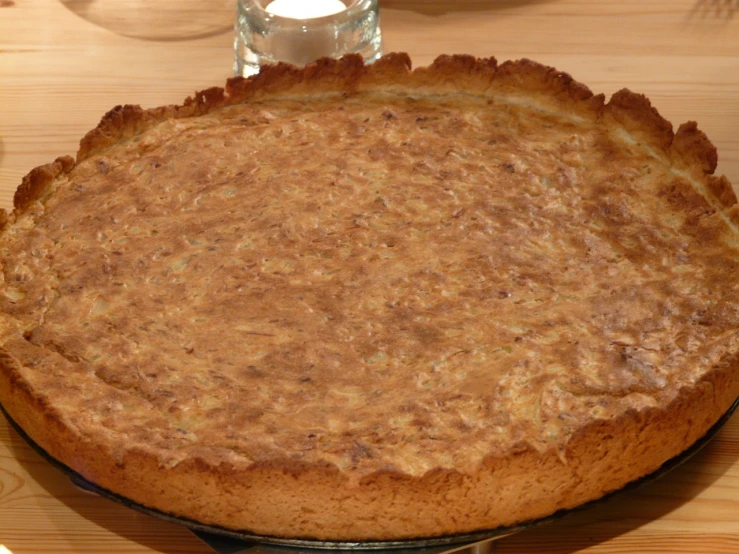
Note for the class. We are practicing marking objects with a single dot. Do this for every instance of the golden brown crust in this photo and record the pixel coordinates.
(548, 86)
(477, 285)
(693, 149)
(283, 494)
(35, 185)
(635, 113)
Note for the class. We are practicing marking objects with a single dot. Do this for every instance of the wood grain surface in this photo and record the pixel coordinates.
(63, 63)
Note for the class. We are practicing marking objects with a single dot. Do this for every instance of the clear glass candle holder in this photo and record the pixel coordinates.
(262, 37)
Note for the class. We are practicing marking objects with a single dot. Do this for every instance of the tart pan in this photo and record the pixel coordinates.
(258, 544)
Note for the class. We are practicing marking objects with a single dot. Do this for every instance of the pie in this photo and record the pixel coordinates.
(370, 303)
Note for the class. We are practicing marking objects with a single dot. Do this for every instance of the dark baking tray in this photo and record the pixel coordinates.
(266, 544)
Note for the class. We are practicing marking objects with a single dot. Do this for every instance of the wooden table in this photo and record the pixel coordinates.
(63, 64)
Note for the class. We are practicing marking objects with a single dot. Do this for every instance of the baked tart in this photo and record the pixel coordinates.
(370, 303)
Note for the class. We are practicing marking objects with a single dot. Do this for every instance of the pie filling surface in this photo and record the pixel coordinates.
(360, 280)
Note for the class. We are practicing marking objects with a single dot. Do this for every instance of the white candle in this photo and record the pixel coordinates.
(306, 38)
(305, 9)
